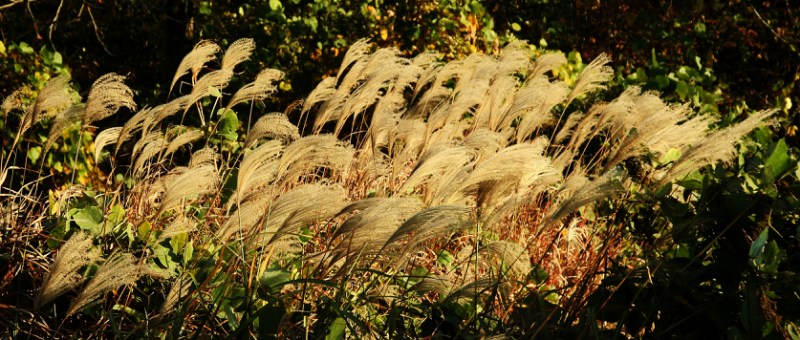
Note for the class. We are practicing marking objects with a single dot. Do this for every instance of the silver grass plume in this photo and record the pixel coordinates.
(547, 62)
(513, 258)
(259, 89)
(274, 125)
(584, 192)
(107, 95)
(719, 146)
(474, 289)
(120, 269)
(203, 52)
(105, 138)
(148, 139)
(64, 273)
(437, 163)
(322, 93)
(133, 125)
(53, 98)
(63, 120)
(181, 224)
(199, 180)
(303, 205)
(182, 137)
(285, 214)
(179, 290)
(517, 166)
(357, 51)
(367, 231)
(14, 101)
(239, 51)
(207, 85)
(316, 151)
(592, 77)
(259, 167)
(431, 223)
(534, 103)
(204, 156)
(161, 112)
(440, 284)
(148, 150)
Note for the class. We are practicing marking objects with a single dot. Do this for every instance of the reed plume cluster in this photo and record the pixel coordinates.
(389, 162)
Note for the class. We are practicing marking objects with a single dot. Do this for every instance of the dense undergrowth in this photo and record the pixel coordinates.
(496, 195)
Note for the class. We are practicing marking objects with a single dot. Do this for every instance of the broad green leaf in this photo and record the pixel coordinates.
(673, 154)
(445, 259)
(25, 48)
(178, 242)
(143, 231)
(90, 219)
(274, 278)
(336, 330)
(163, 257)
(757, 248)
(778, 163)
(275, 5)
(34, 153)
(116, 216)
(228, 124)
(214, 91)
(682, 89)
(188, 251)
(515, 26)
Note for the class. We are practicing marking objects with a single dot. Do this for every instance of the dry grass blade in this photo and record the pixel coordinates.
(239, 51)
(107, 95)
(202, 53)
(199, 180)
(64, 274)
(274, 126)
(120, 269)
(259, 89)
